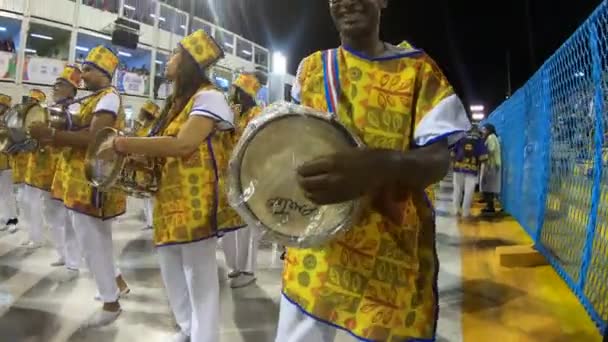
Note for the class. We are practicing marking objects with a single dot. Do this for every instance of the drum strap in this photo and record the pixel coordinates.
(331, 78)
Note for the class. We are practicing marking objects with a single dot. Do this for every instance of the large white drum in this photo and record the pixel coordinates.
(262, 175)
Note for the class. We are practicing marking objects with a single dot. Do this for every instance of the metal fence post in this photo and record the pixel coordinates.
(545, 149)
(598, 108)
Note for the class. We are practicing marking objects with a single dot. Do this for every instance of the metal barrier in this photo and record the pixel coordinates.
(554, 135)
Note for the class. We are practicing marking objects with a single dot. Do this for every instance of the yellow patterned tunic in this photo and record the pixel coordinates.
(378, 280)
(228, 218)
(41, 167)
(4, 162)
(18, 163)
(187, 199)
(70, 184)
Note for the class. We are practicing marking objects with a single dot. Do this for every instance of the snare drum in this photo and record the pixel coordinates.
(262, 175)
(17, 120)
(136, 176)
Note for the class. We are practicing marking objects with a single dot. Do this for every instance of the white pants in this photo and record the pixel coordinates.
(295, 326)
(149, 210)
(32, 209)
(241, 249)
(23, 220)
(8, 204)
(464, 182)
(190, 275)
(95, 240)
(62, 232)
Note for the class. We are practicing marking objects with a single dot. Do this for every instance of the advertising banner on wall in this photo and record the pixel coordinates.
(42, 70)
(8, 65)
(132, 83)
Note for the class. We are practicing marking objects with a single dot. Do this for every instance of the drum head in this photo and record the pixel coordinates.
(266, 180)
(35, 114)
(103, 164)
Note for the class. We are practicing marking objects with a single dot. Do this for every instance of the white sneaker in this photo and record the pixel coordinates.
(33, 245)
(102, 318)
(13, 228)
(180, 337)
(234, 274)
(59, 262)
(242, 280)
(26, 243)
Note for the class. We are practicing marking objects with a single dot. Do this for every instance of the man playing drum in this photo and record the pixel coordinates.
(377, 281)
(8, 205)
(241, 245)
(20, 165)
(90, 212)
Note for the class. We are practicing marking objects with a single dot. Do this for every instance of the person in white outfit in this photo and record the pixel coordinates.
(190, 139)
(91, 211)
(468, 155)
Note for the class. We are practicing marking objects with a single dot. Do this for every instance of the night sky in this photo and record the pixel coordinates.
(468, 39)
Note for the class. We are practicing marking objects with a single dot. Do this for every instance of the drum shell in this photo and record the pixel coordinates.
(128, 173)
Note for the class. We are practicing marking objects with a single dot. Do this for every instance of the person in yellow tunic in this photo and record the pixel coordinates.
(240, 244)
(90, 211)
(20, 165)
(189, 137)
(8, 204)
(148, 114)
(378, 281)
(40, 170)
(42, 167)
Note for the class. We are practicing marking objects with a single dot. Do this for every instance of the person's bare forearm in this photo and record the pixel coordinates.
(420, 167)
(154, 147)
(80, 139)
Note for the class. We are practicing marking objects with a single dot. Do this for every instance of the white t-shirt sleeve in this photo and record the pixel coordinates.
(447, 120)
(108, 103)
(213, 104)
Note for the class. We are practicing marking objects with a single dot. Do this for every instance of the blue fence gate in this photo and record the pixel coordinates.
(554, 135)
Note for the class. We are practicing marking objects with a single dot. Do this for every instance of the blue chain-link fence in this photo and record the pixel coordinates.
(554, 135)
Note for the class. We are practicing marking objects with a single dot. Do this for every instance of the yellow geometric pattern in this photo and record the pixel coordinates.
(202, 48)
(41, 167)
(37, 95)
(378, 279)
(248, 83)
(70, 184)
(186, 207)
(4, 162)
(103, 59)
(18, 163)
(72, 75)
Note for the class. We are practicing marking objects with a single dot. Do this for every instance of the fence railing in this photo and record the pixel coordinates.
(554, 135)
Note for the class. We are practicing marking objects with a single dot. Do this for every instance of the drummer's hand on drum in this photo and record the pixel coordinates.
(343, 176)
(41, 132)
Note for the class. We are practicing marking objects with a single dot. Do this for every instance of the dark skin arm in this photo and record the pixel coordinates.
(348, 175)
(79, 139)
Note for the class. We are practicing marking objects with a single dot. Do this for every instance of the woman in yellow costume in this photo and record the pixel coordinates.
(90, 211)
(378, 281)
(190, 138)
(8, 204)
(240, 245)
